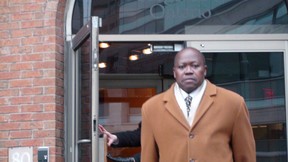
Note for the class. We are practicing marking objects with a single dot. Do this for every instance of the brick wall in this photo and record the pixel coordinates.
(31, 76)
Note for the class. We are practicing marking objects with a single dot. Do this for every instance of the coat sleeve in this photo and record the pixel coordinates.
(129, 138)
(149, 151)
(243, 143)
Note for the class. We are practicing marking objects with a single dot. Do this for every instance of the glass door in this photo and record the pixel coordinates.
(256, 71)
(83, 118)
(253, 69)
(121, 98)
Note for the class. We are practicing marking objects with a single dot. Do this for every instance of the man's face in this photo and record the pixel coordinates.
(189, 69)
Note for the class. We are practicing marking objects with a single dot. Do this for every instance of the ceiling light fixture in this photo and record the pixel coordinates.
(133, 57)
(104, 45)
(102, 65)
(148, 50)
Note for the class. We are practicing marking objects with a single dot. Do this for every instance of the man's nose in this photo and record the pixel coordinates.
(189, 69)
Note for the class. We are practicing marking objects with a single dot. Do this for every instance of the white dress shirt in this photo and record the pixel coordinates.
(196, 98)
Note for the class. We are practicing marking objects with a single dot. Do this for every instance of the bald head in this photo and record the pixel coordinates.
(189, 69)
(190, 50)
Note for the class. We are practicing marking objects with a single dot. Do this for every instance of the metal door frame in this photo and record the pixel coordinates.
(89, 30)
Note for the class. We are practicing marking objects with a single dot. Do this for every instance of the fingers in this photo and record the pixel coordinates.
(101, 128)
(109, 142)
(110, 137)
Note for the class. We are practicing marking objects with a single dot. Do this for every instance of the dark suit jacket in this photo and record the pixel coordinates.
(130, 139)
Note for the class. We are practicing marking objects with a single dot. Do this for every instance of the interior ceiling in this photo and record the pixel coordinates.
(117, 58)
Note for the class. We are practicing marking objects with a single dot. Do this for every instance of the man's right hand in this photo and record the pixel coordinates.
(111, 138)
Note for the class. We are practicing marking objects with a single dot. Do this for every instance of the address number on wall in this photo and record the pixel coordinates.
(21, 154)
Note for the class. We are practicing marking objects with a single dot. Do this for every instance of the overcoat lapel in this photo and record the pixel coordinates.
(173, 108)
(206, 102)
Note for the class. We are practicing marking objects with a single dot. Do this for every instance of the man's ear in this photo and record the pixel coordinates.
(174, 75)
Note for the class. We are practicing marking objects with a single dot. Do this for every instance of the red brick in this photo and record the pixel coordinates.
(50, 125)
(4, 10)
(44, 82)
(5, 50)
(44, 31)
(45, 65)
(49, 90)
(59, 125)
(32, 57)
(52, 6)
(3, 3)
(20, 134)
(10, 126)
(21, 66)
(15, 9)
(20, 100)
(49, 107)
(34, 7)
(9, 59)
(31, 108)
(31, 91)
(21, 33)
(9, 92)
(49, 142)
(43, 133)
(44, 116)
(4, 67)
(4, 135)
(49, 73)
(4, 34)
(32, 74)
(22, 50)
(9, 75)
(44, 99)
(10, 25)
(49, 15)
(4, 18)
(60, 143)
(31, 40)
(50, 38)
(32, 24)
(31, 142)
(10, 42)
(50, 22)
(4, 84)
(3, 119)
(59, 82)
(31, 125)
(17, 2)
(3, 101)
(10, 143)
(21, 117)
(21, 83)
(22, 16)
(44, 48)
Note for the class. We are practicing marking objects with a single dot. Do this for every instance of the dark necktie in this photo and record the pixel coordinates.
(188, 100)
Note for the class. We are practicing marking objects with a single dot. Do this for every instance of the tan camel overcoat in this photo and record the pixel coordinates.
(221, 131)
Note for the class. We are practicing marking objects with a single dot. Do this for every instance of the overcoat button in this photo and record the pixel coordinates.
(191, 135)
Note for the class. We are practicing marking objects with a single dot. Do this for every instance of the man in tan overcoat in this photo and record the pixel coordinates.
(213, 126)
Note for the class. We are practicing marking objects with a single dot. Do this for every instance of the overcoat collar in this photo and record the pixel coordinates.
(173, 108)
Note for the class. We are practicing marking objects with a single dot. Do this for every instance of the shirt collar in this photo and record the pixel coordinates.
(194, 93)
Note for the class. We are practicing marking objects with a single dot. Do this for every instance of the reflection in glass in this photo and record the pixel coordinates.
(192, 16)
(84, 105)
(259, 78)
(120, 110)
